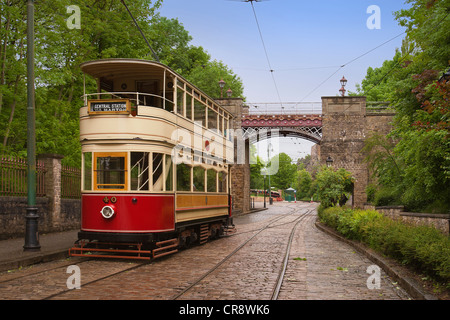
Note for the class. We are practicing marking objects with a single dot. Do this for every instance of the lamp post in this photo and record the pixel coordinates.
(329, 162)
(229, 93)
(31, 216)
(343, 84)
(221, 85)
(264, 191)
(269, 148)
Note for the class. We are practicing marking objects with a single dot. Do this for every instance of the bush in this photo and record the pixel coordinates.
(333, 186)
(386, 197)
(371, 190)
(424, 248)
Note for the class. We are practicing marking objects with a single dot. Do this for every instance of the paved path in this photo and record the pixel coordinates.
(320, 267)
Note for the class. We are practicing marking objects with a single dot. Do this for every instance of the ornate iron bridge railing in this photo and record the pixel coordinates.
(284, 120)
(285, 108)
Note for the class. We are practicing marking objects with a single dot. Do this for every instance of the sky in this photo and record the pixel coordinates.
(309, 45)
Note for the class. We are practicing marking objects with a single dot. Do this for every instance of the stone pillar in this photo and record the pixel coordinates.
(240, 173)
(343, 136)
(52, 165)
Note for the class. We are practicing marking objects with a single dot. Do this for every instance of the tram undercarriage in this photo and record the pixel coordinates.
(151, 245)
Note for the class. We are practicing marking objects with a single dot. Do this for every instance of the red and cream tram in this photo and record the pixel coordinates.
(155, 157)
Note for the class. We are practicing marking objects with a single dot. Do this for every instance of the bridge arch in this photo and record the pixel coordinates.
(339, 127)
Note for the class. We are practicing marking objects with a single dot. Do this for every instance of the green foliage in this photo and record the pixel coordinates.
(256, 178)
(107, 31)
(424, 248)
(386, 196)
(303, 184)
(333, 187)
(285, 176)
(371, 190)
(207, 76)
(411, 164)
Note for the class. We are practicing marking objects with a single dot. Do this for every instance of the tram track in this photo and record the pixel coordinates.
(277, 288)
(139, 265)
(280, 277)
(86, 263)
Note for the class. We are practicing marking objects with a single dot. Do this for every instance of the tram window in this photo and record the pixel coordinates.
(212, 119)
(169, 101)
(139, 171)
(199, 179)
(157, 171)
(199, 112)
(180, 101)
(110, 171)
(87, 168)
(222, 182)
(211, 180)
(189, 100)
(183, 177)
(169, 173)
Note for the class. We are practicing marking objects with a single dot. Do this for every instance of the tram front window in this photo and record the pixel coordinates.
(110, 171)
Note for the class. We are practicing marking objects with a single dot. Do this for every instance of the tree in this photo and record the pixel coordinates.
(207, 76)
(256, 178)
(107, 31)
(333, 187)
(286, 174)
(412, 163)
(303, 183)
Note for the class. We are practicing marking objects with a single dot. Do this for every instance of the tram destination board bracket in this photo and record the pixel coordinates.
(117, 106)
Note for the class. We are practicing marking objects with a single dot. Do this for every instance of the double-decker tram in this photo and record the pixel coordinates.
(155, 162)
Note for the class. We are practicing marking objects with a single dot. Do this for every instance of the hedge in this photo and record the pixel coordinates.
(421, 247)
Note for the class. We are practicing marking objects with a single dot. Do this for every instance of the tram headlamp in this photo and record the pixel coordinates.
(107, 212)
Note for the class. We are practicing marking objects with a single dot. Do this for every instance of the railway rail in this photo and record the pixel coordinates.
(277, 287)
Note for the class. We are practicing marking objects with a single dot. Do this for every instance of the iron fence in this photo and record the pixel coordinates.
(70, 182)
(13, 173)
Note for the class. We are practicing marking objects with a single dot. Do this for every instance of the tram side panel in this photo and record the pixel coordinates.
(132, 213)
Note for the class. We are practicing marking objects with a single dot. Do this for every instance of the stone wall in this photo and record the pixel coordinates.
(240, 173)
(344, 131)
(438, 221)
(13, 210)
(345, 126)
(55, 213)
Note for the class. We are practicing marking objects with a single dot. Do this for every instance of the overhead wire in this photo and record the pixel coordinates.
(364, 54)
(351, 61)
(404, 57)
(267, 55)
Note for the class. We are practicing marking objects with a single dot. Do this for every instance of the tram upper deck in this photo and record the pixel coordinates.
(131, 92)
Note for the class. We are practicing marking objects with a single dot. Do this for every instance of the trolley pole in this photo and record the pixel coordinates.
(31, 217)
(264, 191)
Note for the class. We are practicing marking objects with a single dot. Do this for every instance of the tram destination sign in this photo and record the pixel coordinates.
(118, 106)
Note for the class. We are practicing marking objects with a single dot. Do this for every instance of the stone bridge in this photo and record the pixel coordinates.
(338, 126)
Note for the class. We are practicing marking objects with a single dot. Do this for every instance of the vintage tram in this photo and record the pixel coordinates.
(156, 152)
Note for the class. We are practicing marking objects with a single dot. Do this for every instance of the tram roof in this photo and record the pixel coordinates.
(120, 68)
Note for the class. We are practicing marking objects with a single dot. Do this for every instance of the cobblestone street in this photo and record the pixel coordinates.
(319, 267)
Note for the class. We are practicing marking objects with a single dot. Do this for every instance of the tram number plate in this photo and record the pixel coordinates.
(109, 106)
